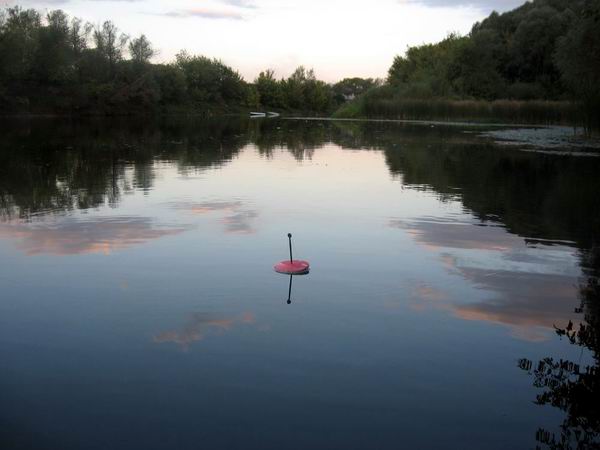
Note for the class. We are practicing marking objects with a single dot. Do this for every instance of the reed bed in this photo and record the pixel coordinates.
(541, 112)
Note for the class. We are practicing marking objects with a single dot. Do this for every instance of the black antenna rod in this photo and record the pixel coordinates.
(290, 238)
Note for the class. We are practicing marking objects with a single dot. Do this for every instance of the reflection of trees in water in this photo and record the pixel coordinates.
(299, 138)
(534, 196)
(60, 166)
(567, 385)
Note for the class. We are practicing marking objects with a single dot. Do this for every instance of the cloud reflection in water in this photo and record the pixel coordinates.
(238, 218)
(199, 326)
(531, 292)
(72, 236)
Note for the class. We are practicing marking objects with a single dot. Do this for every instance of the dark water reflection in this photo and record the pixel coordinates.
(453, 301)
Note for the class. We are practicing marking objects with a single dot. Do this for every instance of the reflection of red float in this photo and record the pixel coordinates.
(292, 266)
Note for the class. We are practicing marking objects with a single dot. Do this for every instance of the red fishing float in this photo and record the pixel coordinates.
(292, 266)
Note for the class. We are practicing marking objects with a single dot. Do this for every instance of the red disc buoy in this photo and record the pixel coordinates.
(293, 267)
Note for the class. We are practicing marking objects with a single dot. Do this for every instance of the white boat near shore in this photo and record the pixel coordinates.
(257, 114)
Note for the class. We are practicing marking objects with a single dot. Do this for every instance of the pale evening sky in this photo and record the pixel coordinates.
(338, 38)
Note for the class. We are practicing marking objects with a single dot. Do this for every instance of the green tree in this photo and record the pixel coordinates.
(141, 50)
(293, 88)
(269, 89)
(317, 95)
(533, 44)
(477, 65)
(252, 96)
(79, 34)
(110, 43)
(18, 43)
(428, 70)
(171, 83)
(211, 81)
(578, 59)
(53, 58)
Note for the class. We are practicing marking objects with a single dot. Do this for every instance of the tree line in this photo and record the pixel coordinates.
(56, 64)
(544, 50)
(537, 63)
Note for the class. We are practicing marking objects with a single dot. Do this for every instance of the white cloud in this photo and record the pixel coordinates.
(204, 13)
(485, 5)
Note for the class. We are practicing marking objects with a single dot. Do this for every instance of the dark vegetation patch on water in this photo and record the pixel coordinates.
(549, 139)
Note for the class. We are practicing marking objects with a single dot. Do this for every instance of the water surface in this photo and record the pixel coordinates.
(450, 278)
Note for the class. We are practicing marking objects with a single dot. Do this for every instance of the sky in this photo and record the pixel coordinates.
(337, 38)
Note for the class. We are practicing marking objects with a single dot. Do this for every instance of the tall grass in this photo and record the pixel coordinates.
(379, 104)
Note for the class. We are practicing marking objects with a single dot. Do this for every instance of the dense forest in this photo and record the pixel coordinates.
(537, 63)
(529, 62)
(53, 64)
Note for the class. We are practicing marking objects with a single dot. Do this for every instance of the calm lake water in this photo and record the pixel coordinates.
(452, 300)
